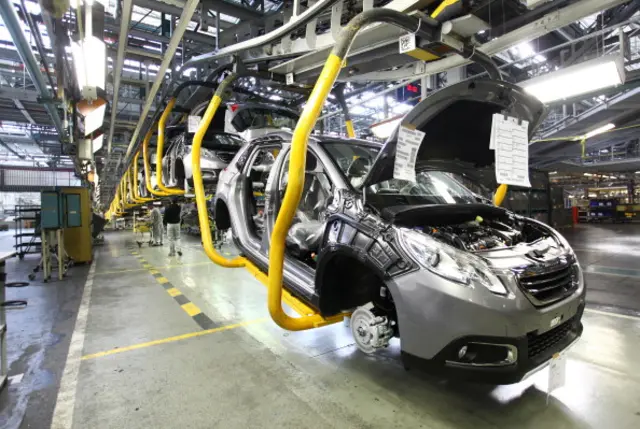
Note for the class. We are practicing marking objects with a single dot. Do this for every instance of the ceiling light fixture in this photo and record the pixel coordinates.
(583, 78)
(599, 130)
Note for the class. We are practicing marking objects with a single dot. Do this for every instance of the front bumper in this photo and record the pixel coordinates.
(437, 318)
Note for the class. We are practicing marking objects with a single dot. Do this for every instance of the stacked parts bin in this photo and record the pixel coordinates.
(602, 209)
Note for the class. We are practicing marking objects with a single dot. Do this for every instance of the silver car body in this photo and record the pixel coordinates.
(247, 121)
(523, 307)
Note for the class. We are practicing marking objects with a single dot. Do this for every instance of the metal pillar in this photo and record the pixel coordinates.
(10, 18)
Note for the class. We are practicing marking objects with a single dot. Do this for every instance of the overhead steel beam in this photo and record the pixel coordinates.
(548, 23)
(183, 22)
(627, 12)
(175, 8)
(10, 149)
(125, 19)
(293, 24)
(10, 18)
(24, 111)
(189, 35)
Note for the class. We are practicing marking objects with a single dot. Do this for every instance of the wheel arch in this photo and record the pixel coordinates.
(346, 278)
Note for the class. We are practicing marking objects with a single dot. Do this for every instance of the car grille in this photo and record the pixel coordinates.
(538, 344)
(225, 156)
(546, 288)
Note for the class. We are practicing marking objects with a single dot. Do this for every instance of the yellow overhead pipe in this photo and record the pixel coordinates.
(501, 192)
(147, 165)
(136, 194)
(350, 131)
(203, 214)
(297, 161)
(309, 317)
(125, 191)
(160, 146)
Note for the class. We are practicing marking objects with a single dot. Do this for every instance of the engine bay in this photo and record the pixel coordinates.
(464, 229)
(478, 235)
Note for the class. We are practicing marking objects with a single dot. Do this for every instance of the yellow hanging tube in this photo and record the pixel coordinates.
(310, 318)
(350, 131)
(501, 192)
(147, 165)
(136, 194)
(160, 147)
(291, 200)
(203, 214)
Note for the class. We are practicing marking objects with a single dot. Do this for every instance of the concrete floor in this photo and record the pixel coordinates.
(165, 342)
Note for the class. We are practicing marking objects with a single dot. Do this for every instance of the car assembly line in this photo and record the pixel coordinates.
(359, 213)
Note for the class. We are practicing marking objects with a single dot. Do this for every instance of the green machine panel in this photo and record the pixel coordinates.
(73, 210)
(51, 215)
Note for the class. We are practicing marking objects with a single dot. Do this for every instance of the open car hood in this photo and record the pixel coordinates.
(457, 123)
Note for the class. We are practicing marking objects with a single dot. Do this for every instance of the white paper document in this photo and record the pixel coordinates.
(192, 123)
(557, 373)
(406, 153)
(510, 140)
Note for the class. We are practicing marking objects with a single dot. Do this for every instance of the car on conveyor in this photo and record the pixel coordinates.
(472, 290)
(231, 128)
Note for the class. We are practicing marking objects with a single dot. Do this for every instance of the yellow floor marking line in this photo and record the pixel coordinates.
(191, 309)
(174, 292)
(173, 339)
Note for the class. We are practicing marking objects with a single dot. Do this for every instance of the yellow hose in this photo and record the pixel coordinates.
(309, 317)
(203, 214)
(291, 200)
(501, 192)
(160, 147)
(350, 131)
(147, 165)
(136, 194)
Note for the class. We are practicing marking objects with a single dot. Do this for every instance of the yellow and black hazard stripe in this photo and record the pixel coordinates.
(189, 307)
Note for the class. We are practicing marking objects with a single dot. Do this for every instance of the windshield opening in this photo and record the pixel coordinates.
(430, 187)
(354, 159)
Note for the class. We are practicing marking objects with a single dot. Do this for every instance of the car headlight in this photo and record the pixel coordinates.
(450, 263)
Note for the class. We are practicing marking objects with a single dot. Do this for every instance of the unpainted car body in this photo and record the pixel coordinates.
(472, 290)
(229, 130)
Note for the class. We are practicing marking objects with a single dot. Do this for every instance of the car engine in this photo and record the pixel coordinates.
(478, 235)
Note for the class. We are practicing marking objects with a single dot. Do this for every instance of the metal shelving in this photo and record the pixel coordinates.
(27, 241)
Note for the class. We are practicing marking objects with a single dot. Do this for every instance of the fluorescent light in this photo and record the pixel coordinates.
(384, 129)
(599, 130)
(89, 59)
(588, 174)
(592, 75)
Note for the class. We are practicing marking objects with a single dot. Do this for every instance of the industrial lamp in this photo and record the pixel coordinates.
(385, 128)
(89, 58)
(583, 78)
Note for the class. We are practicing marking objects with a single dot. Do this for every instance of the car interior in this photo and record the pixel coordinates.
(257, 175)
(305, 234)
